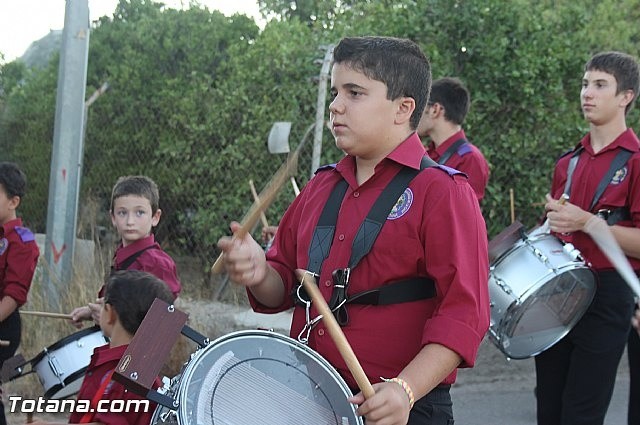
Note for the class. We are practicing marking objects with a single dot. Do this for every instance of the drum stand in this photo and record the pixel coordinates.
(150, 348)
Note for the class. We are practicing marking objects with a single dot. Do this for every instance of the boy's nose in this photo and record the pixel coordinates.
(336, 106)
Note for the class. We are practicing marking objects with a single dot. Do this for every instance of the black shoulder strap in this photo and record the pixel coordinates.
(453, 148)
(132, 258)
(369, 229)
(618, 162)
(571, 168)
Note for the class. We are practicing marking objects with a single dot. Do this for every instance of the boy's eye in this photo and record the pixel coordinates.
(121, 213)
(140, 213)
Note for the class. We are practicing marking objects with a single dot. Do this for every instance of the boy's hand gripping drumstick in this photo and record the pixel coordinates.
(308, 281)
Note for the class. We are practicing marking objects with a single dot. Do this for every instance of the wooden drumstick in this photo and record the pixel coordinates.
(256, 199)
(4, 343)
(308, 281)
(266, 198)
(294, 184)
(512, 206)
(46, 314)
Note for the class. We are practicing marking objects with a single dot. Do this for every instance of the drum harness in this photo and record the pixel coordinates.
(453, 148)
(611, 216)
(413, 289)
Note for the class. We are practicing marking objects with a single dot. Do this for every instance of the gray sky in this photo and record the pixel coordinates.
(25, 21)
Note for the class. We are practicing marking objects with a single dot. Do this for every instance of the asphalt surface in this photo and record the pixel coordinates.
(500, 392)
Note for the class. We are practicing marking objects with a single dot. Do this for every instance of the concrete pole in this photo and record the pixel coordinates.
(66, 155)
(320, 109)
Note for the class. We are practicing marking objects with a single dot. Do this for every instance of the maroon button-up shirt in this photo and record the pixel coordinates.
(622, 191)
(154, 261)
(435, 231)
(467, 159)
(103, 361)
(18, 258)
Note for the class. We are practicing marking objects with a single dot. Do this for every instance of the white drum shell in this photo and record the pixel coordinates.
(539, 289)
(61, 366)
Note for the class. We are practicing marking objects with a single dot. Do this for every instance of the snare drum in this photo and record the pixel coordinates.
(539, 290)
(61, 366)
(251, 377)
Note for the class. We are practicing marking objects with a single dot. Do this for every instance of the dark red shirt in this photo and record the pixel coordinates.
(104, 360)
(435, 231)
(467, 159)
(154, 261)
(18, 258)
(623, 190)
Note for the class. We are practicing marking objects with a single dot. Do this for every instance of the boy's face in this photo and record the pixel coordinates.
(361, 116)
(598, 99)
(133, 218)
(8, 206)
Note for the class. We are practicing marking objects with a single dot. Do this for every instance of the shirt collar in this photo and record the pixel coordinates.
(627, 140)
(106, 354)
(10, 225)
(125, 252)
(440, 150)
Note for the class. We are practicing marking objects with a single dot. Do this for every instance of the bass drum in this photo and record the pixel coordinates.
(539, 290)
(259, 377)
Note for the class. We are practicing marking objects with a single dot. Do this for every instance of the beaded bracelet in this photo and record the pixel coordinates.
(405, 387)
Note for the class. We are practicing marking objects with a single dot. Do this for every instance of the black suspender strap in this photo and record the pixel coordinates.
(131, 259)
(449, 152)
(618, 162)
(397, 292)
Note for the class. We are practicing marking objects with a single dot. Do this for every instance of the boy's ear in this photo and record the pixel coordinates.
(627, 98)
(406, 106)
(14, 202)
(111, 314)
(156, 218)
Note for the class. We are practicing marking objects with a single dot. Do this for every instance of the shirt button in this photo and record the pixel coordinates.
(321, 332)
(356, 194)
(341, 237)
(327, 283)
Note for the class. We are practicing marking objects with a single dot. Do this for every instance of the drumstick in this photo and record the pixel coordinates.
(4, 343)
(308, 281)
(266, 198)
(46, 314)
(256, 198)
(601, 234)
(296, 189)
(513, 210)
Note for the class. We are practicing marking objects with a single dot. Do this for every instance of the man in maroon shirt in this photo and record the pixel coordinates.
(442, 120)
(428, 268)
(575, 377)
(18, 258)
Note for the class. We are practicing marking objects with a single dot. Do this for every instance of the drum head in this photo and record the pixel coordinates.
(545, 314)
(251, 377)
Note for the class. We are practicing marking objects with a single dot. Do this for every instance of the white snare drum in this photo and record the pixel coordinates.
(61, 366)
(259, 377)
(539, 290)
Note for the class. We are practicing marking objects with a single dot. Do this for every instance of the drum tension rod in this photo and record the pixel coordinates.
(195, 336)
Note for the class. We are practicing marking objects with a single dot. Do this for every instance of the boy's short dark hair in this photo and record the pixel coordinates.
(12, 179)
(451, 93)
(131, 293)
(622, 66)
(137, 186)
(399, 63)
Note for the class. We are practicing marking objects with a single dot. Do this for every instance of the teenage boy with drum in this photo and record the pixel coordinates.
(416, 302)
(576, 376)
(18, 258)
(128, 297)
(442, 120)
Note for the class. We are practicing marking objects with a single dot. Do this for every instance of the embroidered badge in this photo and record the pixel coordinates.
(4, 243)
(402, 205)
(620, 175)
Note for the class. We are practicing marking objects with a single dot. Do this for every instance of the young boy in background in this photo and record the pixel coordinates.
(18, 258)
(134, 213)
(128, 295)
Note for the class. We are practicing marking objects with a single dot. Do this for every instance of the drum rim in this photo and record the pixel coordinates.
(65, 383)
(67, 339)
(186, 375)
(500, 336)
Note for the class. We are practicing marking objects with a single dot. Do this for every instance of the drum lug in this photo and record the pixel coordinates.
(55, 366)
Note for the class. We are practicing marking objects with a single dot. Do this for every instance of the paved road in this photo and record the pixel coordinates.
(500, 392)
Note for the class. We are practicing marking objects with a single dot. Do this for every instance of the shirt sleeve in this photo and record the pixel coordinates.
(164, 268)
(457, 260)
(22, 259)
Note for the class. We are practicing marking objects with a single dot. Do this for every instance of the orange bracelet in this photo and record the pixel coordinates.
(407, 389)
